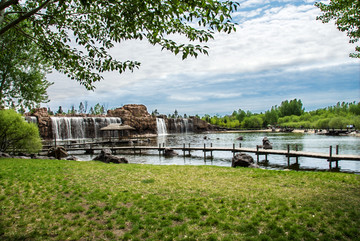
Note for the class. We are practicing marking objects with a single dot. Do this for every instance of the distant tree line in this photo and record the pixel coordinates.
(175, 115)
(98, 109)
(292, 114)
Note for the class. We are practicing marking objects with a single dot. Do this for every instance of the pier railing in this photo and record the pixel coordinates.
(331, 157)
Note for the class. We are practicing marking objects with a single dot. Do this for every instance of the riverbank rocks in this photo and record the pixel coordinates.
(242, 160)
(107, 157)
(5, 155)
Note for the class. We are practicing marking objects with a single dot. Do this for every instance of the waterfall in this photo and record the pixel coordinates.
(69, 128)
(181, 125)
(186, 125)
(161, 126)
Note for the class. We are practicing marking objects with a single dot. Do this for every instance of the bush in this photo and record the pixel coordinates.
(18, 135)
(323, 123)
(253, 122)
(337, 123)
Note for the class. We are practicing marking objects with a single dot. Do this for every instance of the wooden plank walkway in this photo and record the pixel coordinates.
(258, 151)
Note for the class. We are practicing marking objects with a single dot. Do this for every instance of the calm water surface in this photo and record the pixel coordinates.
(305, 142)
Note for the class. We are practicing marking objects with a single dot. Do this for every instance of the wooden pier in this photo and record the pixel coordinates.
(187, 149)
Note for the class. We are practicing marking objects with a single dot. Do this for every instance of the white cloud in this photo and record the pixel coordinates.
(278, 38)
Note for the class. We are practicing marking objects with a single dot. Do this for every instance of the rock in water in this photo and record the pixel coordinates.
(170, 152)
(107, 157)
(266, 143)
(242, 160)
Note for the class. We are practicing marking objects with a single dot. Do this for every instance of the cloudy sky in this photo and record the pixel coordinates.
(279, 52)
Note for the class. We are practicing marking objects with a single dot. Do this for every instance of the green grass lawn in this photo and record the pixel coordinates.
(59, 200)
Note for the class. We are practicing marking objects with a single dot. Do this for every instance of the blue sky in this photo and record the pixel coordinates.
(279, 52)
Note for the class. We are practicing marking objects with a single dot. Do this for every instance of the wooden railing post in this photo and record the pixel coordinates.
(184, 149)
(337, 153)
(330, 157)
(204, 152)
(288, 154)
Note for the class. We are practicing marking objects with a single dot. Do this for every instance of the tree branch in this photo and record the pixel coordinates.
(24, 17)
(5, 4)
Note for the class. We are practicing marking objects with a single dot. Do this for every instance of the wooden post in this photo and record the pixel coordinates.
(204, 152)
(257, 154)
(184, 149)
(330, 155)
(288, 155)
(233, 149)
(211, 153)
(239, 145)
(159, 149)
(189, 149)
(297, 157)
(337, 153)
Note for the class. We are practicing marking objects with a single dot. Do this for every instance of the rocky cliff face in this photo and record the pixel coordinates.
(136, 116)
(201, 125)
(44, 122)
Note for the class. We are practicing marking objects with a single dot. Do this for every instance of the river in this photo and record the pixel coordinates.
(304, 142)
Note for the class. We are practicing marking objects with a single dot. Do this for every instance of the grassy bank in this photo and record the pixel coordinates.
(58, 200)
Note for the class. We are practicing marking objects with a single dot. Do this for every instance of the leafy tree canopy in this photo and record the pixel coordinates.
(22, 71)
(347, 15)
(75, 36)
(18, 135)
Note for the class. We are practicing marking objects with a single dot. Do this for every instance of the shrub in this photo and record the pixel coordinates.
(18, 135)
(323, 123)
(337, 122)
(253, 122)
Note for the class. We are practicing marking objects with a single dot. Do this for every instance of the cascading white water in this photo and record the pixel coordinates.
(69, 128)
(186, 125)
(181, 125)
(161, 126)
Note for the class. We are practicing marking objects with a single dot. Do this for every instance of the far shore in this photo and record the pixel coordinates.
(302, 131)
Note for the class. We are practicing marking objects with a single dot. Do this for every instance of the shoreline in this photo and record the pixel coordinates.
(297, 131)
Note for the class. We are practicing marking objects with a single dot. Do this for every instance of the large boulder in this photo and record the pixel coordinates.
(266, 143)
(107, 157)
(57, 152)
(170, 152)
(136, 116)
(242, 160)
